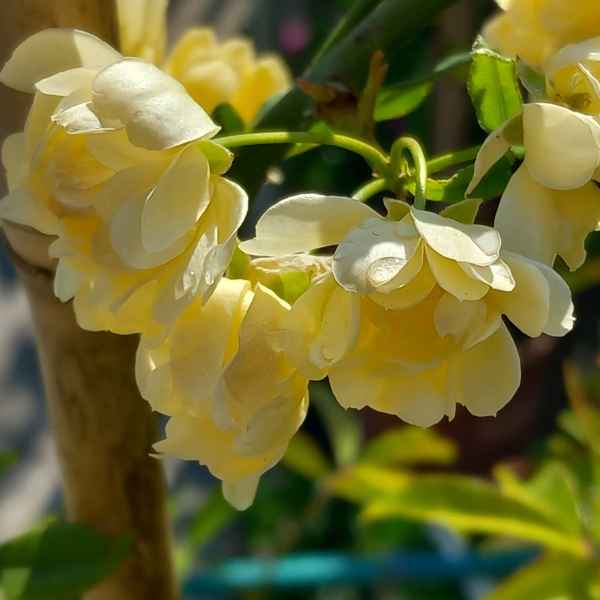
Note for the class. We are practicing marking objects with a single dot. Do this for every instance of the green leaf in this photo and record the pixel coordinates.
(493, 87)
(364, 483)
(58, 562)
(409, 446)
(533, 81)
(552, 492)
(402, 98)
(399, 100)
(464, 211)
(473, 506)
(550, 578)
(454, 188)
(228, 118)
(343, 427)
(7, 459)
(304, 456)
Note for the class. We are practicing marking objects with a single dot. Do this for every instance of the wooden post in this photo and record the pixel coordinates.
(103, 428)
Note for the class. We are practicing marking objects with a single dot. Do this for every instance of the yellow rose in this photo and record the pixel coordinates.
(416, 326)
(214, 72)
(115, 159)
(233, 398)
(536, 29)
(143, 28)
(552, 203)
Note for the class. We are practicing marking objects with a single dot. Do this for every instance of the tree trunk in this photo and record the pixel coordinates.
(102, 427)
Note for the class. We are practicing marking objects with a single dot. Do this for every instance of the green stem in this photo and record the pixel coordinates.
(377, 159)
(444, 161)
(419, 163)
(369, 189)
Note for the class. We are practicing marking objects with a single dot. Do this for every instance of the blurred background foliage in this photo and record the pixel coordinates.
(363, 507)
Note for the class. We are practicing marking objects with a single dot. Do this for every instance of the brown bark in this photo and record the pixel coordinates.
(102, 427)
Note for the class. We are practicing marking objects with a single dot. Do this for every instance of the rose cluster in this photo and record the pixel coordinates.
(406, 312)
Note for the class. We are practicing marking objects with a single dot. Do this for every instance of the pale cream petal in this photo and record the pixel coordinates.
(177, 201)
(412, 397)
(572, 54)
(408, 295)
(67, 82)
(126, 237)
(467, 322)
(562, 146)
(155, 109)
(486, 377)
(496, 275)
(526, 202)
(25, 208)
(560, 317)
(272, 425)
(203, 341)
(80, 119)
(241, 493)
(408, 273)
(373, 254)
(14, 159)
(475, 244)
(66, 281)
(321, 327)
(142, 28)
(114, 150)
(528, 305)
(306, 222)
(51, 51)
(453, 279)
(38, 121)
(578, 214)
(492, 150)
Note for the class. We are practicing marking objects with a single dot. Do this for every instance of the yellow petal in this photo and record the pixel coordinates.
(560, 316)
(486, 377)
(408, 273)
(492, 150)
(155, 109)
(177, 201)
(142, 28)
(468, 322)
(306, 222)
(562, 146)
(321, 327)
(408, 295)
(373, 254)
(126, 236)
(14, 159)
(413, 398)
(563, 219)
(475, 244)
(497, 275)
(52, 51)
(67, 82)
(241, 493)
(453, 279)
(25, 208)
(528, 305)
